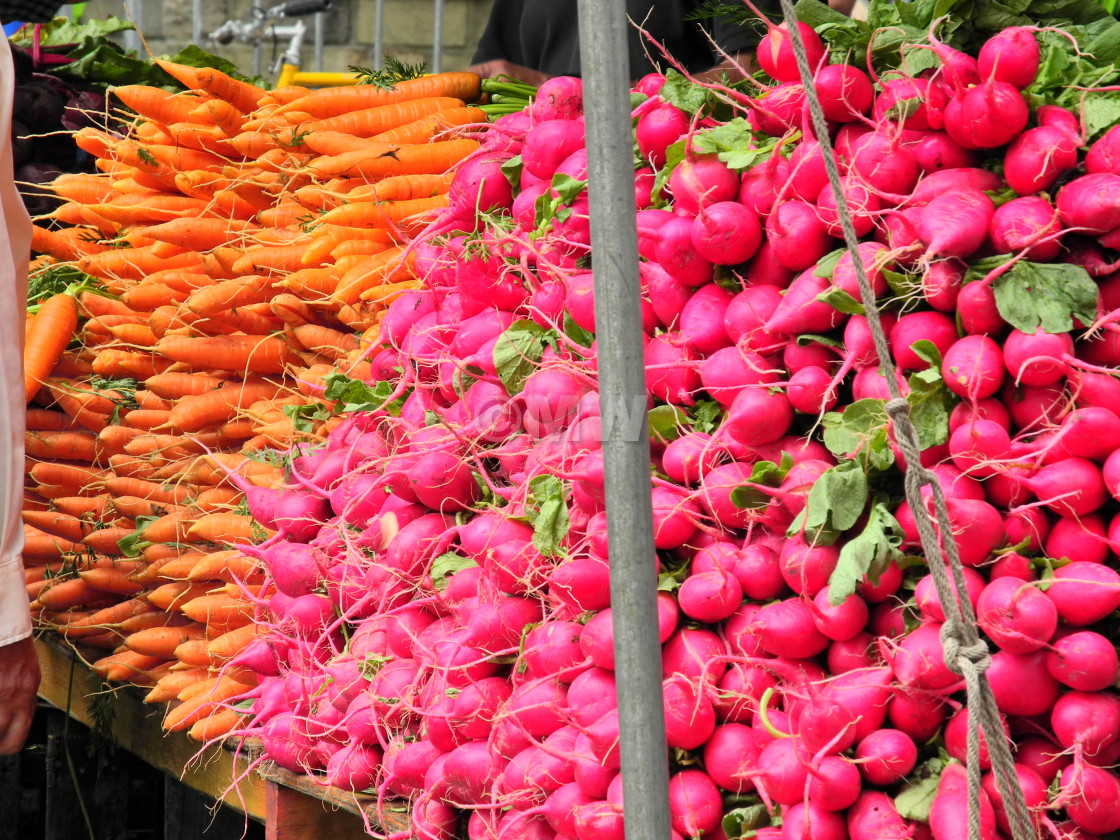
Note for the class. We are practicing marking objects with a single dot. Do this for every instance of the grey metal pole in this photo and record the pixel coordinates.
(319, 36)
(378, 34)
(622, 393)
(437, 37)
(134, 11)
(196, 22)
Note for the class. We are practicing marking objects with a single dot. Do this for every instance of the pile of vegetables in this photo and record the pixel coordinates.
(431, 611)
(204, 314)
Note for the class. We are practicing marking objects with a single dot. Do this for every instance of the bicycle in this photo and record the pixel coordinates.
(265, 24)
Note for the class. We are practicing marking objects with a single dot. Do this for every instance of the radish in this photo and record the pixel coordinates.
(835, 784)
(797, 235)
(844, 90)
(1038, 157)
(1091, 202)
(874, 817)
(657, 129)
(886, 756)
(1019, 224)
(696, 183)
(956, 738)
(955, 224)
(918, 714)
(913, 103)
(726, 233)
(1019, 618)
(1084, 593)
(986, 116)
(950, 803)
(1104, 154)
(1012, 55)
(1090, 795)
(775, 52)
(695, 805)
(729, 755)
(973, 367)
(809, 821)
(1010, 672)
(1084, 661)
(1087, 720)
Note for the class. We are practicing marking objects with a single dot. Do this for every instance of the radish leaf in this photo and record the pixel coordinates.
(1049, 295)
(866, 554)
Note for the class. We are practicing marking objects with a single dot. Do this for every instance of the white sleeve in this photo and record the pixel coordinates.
(15, 620)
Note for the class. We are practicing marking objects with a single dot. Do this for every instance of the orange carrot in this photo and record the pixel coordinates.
(47, 336)
(412, 159)
(110, 580)
(44, 420)
(220, 404)
(251, 353)
(228, 645)
(128, 364)
(104, 540)
(69, 593)
(370, 121)
(329, 102)
(229, 294)
(365, 214)
(199, 705)
(386, 267)
(91, 507)
(223, 528)
(176, 385)
(219, 611)
(155, 103)
(162, 641)
(193, 653)
(432, 125)
(216, 725)
(69, 475)
(169, 528)
(123, 666)
(168, 687)
(171, 596)
(61, 446)
(70, 528)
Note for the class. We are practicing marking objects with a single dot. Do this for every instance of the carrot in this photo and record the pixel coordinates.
(146, 418)
(241, 95)
(149, 208)
(370, 121)
(40, 548)
(403, 187)
(61, 446)
(130, 467)
(123, 666)
(205, 138)
(134, 335)
(162, 641)
(229, 294)
(160, 493)
(110, 580)
(198, 234)
(176, 385)
(388, 266)
(171, 527)
(128, 364)
(155, 103)
(196, 412)
(329, 102)
(115, 615)
(69, 475)
(146, 297)
(44, 420)
(265, 259)
(171, 596)
(223, 565)
(47, 336)
(215, 725)
(210, 697)
(82, 187)
(63, 245)
(105, 540)
(223, 528)
(167, 688)
(193, 653)
(311, 283)
(364, 214)
(57, 524)
(178, 568)
(69, 593)
(413, 159)
(112, 440)
(228, 645)
(325, 341)
(91, 305)
(328, 144)
(253, 319)
(149, 401)
(133, 263)
(217, 499)
(432, 125)
(219, 611)
(251, 353)
(87, 507)
(222, 115)
(135, 507)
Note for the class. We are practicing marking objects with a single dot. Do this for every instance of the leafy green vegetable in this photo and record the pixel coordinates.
(866, 554)
(518, 351)
(734, 142)
(547, 511)
(1050, 295)
(446, 565)
(860, 432)
(763, 474)
(355, 395)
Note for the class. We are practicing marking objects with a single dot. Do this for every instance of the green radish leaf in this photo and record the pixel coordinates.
(827, 264)
(836, 502)
(915, 799)
(446, 565)
(134, 544)
(763, 474)
(577, 333)
(733, 142)
(930, 399)
(927, 351)
(512, 170)
(306, 417)
(1051, 295)
(841, 301)
(707, 415)
(685, 95)
(738, 822)
(666, 422)
(805, 339)
(860, 432)
(355, 395)
(518, 351)
(1101, 112)
(866, 554)
(673, 156)
(547, 510)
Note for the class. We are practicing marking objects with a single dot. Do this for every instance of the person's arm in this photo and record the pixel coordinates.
(501, 67)
(19, 672)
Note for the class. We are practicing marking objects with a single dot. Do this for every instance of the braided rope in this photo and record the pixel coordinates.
(965, 652)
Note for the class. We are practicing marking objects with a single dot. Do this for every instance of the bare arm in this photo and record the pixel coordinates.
(501, 67)
(19, 679)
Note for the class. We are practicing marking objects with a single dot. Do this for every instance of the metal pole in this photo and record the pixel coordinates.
(437, 37)
(319, 16)
(134, 11)
(622, 393)
(378, 34)
(196, 22)
(258, 50)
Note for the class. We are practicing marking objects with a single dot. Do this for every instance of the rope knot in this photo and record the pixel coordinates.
(958, 651)
(897, 408)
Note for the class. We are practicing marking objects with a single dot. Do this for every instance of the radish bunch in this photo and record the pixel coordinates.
(439, 624)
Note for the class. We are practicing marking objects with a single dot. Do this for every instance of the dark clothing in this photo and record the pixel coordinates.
(544, 35)
(29, 11)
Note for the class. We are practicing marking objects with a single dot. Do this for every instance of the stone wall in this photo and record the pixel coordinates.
(167, 27)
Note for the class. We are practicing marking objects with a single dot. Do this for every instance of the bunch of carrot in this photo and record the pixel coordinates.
(246, 242)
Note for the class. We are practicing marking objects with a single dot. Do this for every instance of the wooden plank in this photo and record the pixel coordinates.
(293, 815)
(136, 727)
(392, 818)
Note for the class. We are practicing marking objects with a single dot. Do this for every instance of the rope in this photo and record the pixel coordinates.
(965, 652)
